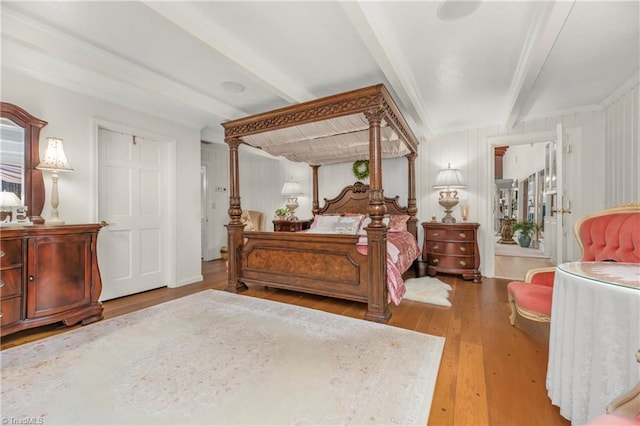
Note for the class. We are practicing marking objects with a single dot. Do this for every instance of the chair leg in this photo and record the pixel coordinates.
(512, 305)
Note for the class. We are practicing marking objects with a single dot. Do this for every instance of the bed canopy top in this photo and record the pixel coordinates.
(334, 129)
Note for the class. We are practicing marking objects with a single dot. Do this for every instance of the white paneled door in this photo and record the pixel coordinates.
(130, 200)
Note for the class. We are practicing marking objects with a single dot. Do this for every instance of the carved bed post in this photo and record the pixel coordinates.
(377, 309)
(315, 208)
(412, 209)
(235, 227)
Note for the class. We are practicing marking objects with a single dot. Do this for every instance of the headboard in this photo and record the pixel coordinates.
(355, 199)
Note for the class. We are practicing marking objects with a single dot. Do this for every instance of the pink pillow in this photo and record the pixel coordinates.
(398, 223)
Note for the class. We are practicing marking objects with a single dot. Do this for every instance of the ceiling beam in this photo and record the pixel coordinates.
(191, 20)
(71, 50)
(538, 46)
(389, 58)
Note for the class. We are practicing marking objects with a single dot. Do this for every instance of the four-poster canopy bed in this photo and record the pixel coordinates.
(356, 125)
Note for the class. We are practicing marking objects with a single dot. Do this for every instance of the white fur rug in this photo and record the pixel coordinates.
(428, 290)
(220, 358)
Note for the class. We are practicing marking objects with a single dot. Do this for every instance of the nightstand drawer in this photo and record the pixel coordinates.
(10, 310)
(10, 282)
(457, 262)
(290, 225)
(10, 252)
(450, 235)
(451, 248)
(456, 248)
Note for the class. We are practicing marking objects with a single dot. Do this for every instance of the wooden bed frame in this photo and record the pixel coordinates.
(324, 264)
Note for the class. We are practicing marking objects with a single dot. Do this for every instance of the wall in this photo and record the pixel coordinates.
(520, 161)
(71, 117)
(261, 179)
(471, 152)
(622, 150)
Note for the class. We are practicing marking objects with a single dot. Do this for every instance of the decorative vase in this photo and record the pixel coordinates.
(464, 210)
(524, 240)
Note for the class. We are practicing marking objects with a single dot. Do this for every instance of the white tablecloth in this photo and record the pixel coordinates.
(595, 333)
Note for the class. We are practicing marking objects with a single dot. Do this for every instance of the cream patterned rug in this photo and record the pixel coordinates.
(427, 290)
(220, 358)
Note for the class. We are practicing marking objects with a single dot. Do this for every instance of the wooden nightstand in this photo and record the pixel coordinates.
(452, 248)
(290, 225)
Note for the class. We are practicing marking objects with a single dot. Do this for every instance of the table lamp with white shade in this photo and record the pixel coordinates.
(54, 161)
(449, 180)
(7, 201)
(291, 190)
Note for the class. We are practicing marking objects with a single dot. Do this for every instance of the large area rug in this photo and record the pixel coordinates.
(428, 290)
(220, 358)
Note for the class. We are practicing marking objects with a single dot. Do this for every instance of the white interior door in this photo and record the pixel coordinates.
(561, 196)
(130, 200)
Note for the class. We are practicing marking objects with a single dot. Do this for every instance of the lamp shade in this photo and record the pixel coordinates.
(291, 188)
(54, 158)
(9, 199)
(449, 178)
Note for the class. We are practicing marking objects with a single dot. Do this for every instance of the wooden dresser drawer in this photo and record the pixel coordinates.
(461, 249)
(10, 310)
(10, 282)
(451, 248)
(450, 235)
(452, 262)
(10, 253)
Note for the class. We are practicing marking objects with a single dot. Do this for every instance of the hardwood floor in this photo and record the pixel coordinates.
(491, 373)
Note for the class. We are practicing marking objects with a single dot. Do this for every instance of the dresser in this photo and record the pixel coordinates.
(48, 274)
(280, 225)
(452, 248)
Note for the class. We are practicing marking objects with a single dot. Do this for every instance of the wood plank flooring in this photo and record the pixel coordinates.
(491, 373)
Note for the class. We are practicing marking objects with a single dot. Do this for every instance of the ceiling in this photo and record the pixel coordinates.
(450, 65)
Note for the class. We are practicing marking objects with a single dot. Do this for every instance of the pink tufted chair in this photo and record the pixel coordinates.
(610, 235)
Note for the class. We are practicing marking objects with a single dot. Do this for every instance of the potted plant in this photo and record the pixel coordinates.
(282, 213)
(537, 228)
(526, 228)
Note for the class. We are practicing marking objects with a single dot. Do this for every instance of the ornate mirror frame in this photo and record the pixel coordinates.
(33, 180)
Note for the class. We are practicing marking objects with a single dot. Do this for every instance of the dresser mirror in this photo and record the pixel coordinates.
(19, 156)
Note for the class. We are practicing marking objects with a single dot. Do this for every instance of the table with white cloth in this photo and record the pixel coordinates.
(594, 336)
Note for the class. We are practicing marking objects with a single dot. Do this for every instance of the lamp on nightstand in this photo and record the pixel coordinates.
(54, 161)
(291, 190)
(449, 179)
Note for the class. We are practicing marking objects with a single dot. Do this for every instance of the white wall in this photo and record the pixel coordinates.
(261, 179)
(622, 150)
(71, 117)
(470, 151)
(521, 161)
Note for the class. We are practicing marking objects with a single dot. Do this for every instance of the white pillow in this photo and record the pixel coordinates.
(337, 224)
(367, 221)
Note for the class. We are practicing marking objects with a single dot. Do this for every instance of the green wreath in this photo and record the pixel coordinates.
(361, 169)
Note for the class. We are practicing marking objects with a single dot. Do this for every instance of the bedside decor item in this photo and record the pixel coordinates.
(8, 200)
(449, 179)
(526, 228)
(54, 161)
(464, 211)
(291, 190)
(282, 213)
(361, 169)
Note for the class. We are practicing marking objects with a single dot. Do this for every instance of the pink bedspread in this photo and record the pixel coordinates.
(402, 250)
